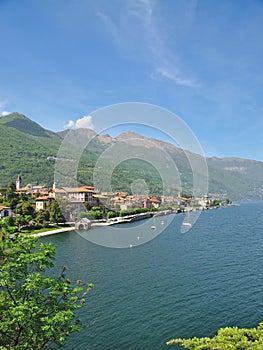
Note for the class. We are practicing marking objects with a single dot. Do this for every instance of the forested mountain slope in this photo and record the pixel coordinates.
(29, 150)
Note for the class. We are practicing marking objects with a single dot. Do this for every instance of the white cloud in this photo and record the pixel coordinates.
(163, 72)
(140, 30)
(4, 113)
(84, 123)
(141, 9)
(174, 76)
(70, 124)
(151, 37)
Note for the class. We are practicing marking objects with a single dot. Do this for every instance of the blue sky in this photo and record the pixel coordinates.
(202, 60)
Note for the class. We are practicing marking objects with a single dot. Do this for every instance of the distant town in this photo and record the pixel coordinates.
(33, 207)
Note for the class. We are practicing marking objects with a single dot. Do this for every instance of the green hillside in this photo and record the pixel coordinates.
(31, 151)
(25, 147)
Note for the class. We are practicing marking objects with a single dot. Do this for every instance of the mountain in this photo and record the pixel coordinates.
(29, 150)
(239, 178)
(242, 178)
(25, 146)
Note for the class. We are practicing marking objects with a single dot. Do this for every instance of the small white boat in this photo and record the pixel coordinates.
(187, 221)
(187, 224)
(153, 227)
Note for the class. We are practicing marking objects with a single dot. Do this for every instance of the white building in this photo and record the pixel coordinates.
(43, 203)
(77, 194)
(5, 212)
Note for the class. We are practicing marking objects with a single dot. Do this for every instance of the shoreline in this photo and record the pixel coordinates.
(53, 232)
(123, 220)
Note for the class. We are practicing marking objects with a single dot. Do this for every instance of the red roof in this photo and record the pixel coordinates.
(154, 199)
(122, 194)
(3, 207)
(44, 198)
(82, 189)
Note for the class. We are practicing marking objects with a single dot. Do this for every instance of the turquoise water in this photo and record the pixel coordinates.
(177, 285)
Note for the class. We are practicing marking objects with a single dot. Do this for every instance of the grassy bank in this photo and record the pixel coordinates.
(45, 229)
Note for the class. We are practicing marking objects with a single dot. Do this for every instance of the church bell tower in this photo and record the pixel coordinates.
(18, 182)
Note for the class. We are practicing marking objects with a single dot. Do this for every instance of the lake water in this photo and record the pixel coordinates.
(176, 285)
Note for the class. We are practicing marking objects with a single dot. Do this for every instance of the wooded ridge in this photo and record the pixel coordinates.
(29, 150)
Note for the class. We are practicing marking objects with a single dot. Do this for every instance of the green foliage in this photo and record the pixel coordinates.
(37, 311)
(228, 201)
(111, 214)
(20, 221)
(8, 221)
(30, 150)
(83, 214)
(95, 208)
(97, 215)
(25, 197)
(130, 170)
(25, 208)
(215, 203)
(91, 215)
(229, 338)
(25, 148)
(55, 213)
(42, 217)
(133, 211)
(11, 196)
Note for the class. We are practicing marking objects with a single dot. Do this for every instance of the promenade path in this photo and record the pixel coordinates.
(53, 232)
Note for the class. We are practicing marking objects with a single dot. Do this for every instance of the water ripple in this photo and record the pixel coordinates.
(177, 285)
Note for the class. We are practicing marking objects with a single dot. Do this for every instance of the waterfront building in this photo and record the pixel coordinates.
(76, 194)
(5, 211)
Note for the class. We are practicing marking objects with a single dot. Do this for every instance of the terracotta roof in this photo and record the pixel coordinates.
(86, 189)
(3, 207)
(44, 198)
(154, 199)
(122, 194)
(83, 189)
(23, 189)
(44, 191)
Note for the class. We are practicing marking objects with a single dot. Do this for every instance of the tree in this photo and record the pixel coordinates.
(20, 221)
(83, 214)
(11, 195)
(97, 215)
(25, 209)
(229, 338)
(24, 196)
(216, 203)
(37, 311)
(11, 189)
(96, 209)
(111, 214)
(228, 201)
(42, 217)
(7, 221)
(55, 212)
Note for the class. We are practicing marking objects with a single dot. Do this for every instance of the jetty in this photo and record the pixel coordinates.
(53, 232)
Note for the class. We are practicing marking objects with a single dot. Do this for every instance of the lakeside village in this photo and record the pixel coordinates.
(31, 207)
